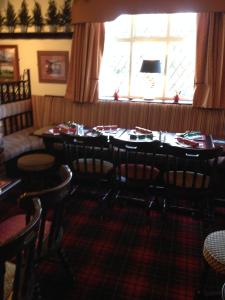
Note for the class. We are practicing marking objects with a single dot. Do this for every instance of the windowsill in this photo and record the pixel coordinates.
(156, 101)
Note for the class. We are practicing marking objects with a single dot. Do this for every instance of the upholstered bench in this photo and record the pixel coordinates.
(20, 142)
(16, 130)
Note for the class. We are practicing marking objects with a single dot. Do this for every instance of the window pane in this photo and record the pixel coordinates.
(151, 25)
(183, 25)
(119, 28)
(180, 70)
(132, 39)
(141, 82)
(115, 70)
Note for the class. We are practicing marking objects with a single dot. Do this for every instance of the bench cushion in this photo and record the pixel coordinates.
(20, 142)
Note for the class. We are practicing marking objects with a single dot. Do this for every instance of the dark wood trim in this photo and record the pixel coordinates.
(36, 35)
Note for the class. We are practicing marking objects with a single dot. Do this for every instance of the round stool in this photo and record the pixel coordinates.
(35, 162)
(35, 169)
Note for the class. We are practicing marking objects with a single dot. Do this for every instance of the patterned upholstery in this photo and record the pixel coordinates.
(189, 179)
(20, 142)
(16, 129)
(14, 108)
(214, 251)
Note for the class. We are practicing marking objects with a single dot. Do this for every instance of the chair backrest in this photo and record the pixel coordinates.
(17, 277)
(55, 145)
(135, 161)
(190, 168)
(53, 201)
(88, 155)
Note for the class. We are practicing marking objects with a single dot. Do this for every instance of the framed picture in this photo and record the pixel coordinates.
(53, 66)
(9, 63)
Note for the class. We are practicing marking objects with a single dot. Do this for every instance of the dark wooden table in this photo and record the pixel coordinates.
(206, 142)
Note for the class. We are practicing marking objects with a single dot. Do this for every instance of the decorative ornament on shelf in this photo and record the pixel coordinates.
(65, 16)
(116, 94)
(52, 16)
(176, 98)
(37, 18)
(24, 17)
(11, 18)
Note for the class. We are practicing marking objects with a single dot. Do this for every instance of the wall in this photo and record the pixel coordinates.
(27, 51)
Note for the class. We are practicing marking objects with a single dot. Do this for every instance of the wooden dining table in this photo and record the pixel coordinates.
(203, 141)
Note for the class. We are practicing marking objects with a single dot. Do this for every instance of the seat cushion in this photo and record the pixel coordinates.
(214, 250)
(13, 225)
(189, 179)
(139, 171)
(20, 142)
(35, 162)
(92, 166)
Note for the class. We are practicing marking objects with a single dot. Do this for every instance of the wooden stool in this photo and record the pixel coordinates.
(35, 168)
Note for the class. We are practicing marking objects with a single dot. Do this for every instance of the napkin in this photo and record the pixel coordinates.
(142, 130)
(106, 127)
(189, 142)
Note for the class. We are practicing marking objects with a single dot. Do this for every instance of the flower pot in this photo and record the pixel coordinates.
(67, 28)
(11, 29)
(23, 28)
(38, 28)
(52, 28)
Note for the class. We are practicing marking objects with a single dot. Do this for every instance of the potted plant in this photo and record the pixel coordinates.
(11, 18)
(2, 21)
(65, 16)
(23, 16)
(37, 18)
(52, 16)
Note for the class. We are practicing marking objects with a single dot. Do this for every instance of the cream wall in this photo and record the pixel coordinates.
(27, 51)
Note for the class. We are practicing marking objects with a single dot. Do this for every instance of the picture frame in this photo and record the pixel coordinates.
(9, 63)
(53, 66)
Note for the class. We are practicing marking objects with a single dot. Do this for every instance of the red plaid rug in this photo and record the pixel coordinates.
(127, 255)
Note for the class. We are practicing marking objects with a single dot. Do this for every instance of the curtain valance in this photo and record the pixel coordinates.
(101, 10)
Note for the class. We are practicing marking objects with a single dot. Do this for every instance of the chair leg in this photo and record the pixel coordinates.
(66, 265)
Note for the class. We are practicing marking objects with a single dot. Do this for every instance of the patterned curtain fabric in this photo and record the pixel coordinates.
(86, 55)
(210, 61)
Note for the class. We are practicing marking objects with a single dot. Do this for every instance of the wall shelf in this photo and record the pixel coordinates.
(36, 35)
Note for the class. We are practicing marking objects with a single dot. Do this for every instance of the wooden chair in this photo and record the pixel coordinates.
(55, 146)
(53, 200)
(90, 159)
(188, 174)
(136, 169)
(17, 252)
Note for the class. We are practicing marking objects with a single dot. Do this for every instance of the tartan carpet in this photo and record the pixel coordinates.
(126, 255)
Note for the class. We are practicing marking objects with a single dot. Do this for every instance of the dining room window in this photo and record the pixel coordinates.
(169, 38)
